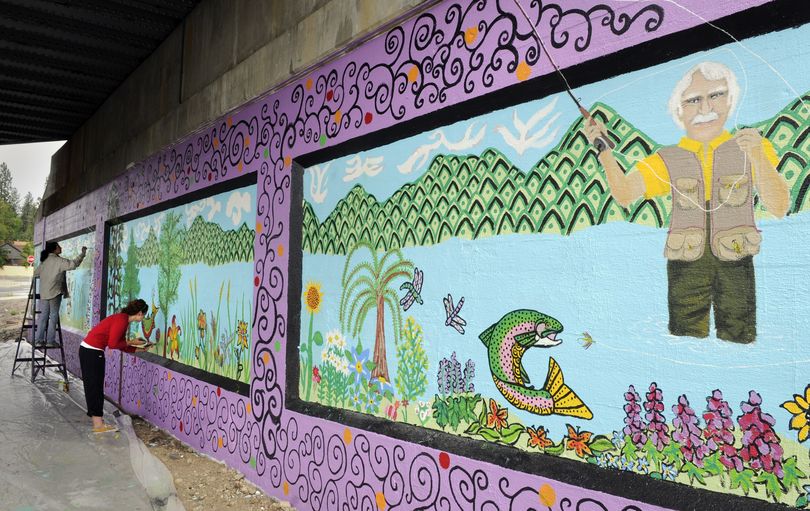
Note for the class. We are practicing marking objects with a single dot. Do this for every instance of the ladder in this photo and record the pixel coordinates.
(39, 352)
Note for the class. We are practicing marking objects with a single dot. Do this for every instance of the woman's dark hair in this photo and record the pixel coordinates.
(134, 307)
(50, 247)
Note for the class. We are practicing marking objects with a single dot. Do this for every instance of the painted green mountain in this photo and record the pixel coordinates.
(204, 242)
(472, 196)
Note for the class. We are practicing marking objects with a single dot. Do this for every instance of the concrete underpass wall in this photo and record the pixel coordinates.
(420, 203)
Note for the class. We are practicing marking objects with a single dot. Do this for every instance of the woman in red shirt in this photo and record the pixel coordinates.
(109, 333)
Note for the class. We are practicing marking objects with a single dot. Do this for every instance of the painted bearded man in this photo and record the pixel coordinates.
(710, 175)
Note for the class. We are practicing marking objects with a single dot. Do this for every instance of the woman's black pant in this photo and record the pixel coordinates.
(92, 363)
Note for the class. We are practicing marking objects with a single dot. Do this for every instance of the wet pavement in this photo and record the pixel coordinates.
(51, 461)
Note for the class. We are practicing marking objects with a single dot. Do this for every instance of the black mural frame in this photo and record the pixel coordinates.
(72, 234)
(225, 383)
(774, 16)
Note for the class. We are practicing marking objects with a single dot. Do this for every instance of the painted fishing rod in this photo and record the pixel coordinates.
(602, 142)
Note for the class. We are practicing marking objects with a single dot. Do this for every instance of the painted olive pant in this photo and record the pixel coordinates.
(728, 286)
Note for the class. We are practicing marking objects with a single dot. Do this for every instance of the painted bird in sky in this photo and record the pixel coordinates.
(414, 290)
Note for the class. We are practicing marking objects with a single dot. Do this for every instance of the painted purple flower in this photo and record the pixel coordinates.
(635, 427)
(469, 374)
(656, 424)
(719, 429)
(688, 433)
(761, 446)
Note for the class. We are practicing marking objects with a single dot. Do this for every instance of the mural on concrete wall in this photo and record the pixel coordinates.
(453, 52)
(77, 309)
(497, 279)
(193, 265)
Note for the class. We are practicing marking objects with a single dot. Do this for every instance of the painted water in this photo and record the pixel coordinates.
(619, 296)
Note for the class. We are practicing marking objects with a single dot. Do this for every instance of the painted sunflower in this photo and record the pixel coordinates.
(800, 408)
(313, 297)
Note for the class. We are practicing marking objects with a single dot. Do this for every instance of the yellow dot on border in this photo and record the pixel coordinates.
(381, 504)
(259, 227)
(523, 71)
(248, 408)
(471, 34)
(347, 436)
(286, 488)
(266, 358)
(287, 161)
(547, 495)
(219, 442)
(413, 74)
(338, 116)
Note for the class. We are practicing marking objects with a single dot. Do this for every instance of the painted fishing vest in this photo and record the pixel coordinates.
(733, 233)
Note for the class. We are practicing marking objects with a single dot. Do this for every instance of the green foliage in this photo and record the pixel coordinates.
(773, 486)
(334, 386)
(131, 287)
(9, 222)
(455, 409)
(8, 194)
(412, 363)
(169, 260)
(793, 474)
(743, 480)
(368, 285)
(600, 444)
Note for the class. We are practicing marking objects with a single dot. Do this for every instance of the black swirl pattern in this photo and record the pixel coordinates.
(452, 51)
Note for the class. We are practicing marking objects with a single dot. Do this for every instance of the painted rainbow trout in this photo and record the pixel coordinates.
(507, 341)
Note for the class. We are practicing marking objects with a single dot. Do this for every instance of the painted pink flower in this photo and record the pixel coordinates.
(719, 429)
(687, 432)
(635, 427)
(761, 447)
(656, 424)
(316, 375)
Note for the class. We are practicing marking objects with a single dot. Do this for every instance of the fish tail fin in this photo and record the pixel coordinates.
(566, 401)
(486, 334)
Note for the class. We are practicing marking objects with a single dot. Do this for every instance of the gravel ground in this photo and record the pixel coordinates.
(202, 483)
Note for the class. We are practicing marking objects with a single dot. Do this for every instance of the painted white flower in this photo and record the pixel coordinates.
(332, 337)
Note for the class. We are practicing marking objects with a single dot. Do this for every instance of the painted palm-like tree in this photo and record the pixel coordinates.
(368, 285)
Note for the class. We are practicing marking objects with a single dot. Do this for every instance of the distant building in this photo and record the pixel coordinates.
(13, 252)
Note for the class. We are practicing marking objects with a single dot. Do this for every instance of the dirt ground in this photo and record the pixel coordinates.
(11, 313)
(202, 483)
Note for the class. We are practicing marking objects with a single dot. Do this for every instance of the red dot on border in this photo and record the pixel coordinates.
(444, 460)
(367, 118)
(329, 95)
(255, 281)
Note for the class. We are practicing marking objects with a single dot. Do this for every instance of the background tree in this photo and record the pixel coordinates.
(131, 286)
(170, 257)
(368, 285)
(8, 193)
(28, 212)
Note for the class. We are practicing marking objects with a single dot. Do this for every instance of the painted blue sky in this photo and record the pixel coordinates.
(229, 210)
(640, 97)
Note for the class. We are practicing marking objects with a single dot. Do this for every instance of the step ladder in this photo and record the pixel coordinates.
(39, 352)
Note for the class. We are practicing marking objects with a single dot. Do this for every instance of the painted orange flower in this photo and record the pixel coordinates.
(578, 441)
(496, 418)
(537, 437)
(313, 297)
(800, 408)
(242, 335)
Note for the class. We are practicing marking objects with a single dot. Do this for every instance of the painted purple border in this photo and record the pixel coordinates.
(451, 53)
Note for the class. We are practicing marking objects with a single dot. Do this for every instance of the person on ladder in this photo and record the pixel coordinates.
(111, 332)
(52, 287)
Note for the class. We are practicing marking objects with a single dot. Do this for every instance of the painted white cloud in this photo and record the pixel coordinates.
(419, 157)
(357, 167)
(141, 229)
(205, 207)
(522, 140)
(317, 182)
(237, 203)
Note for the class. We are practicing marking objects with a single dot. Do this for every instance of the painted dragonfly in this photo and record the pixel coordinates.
(414, 290)
(453, 319)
